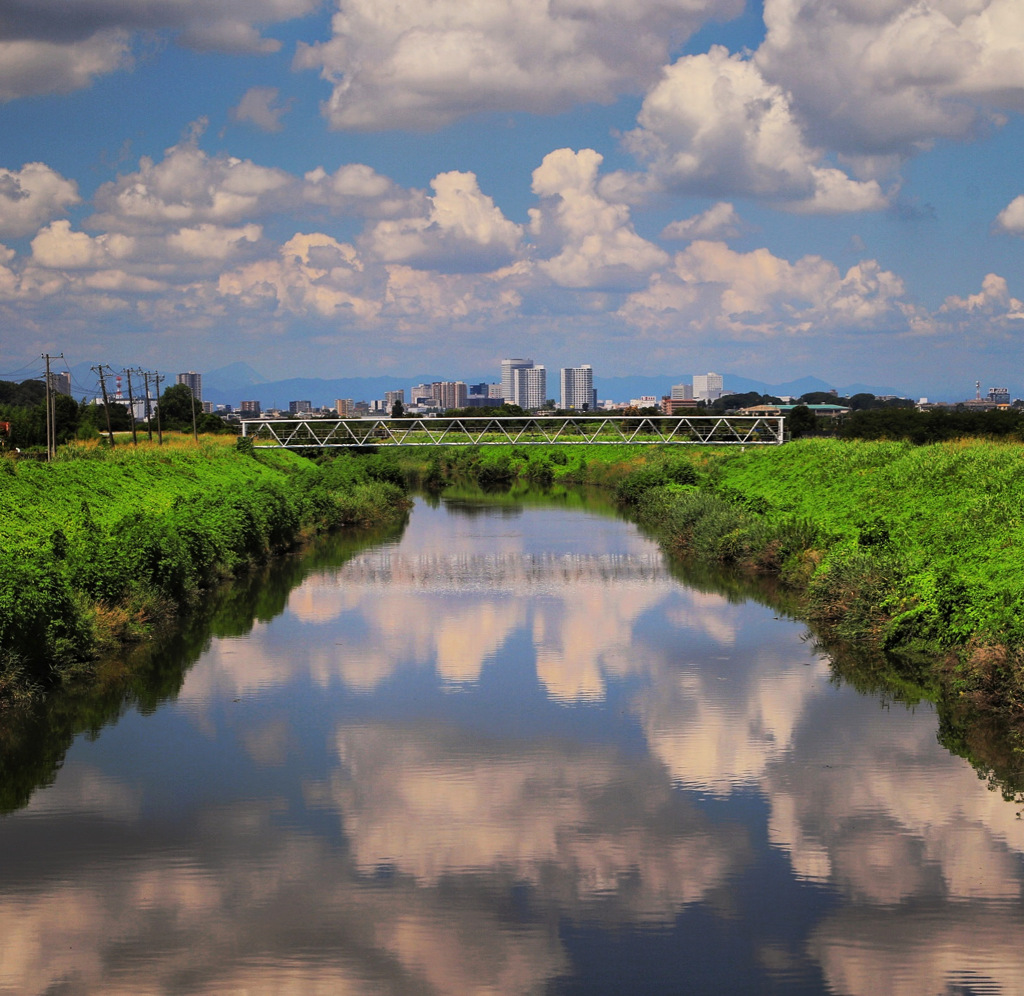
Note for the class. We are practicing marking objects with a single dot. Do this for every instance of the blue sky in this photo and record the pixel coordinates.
(364, 187)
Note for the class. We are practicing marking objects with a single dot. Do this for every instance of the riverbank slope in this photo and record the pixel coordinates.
(102, 544)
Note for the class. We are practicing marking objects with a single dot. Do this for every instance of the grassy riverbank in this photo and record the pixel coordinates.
(914, 550)
(101, 545)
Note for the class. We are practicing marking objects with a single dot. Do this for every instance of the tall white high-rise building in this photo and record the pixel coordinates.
(707, 387)
(529, 386)
(194, 382)
(508, 368)
(578, 392)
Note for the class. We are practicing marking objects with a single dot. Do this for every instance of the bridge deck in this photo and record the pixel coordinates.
(541, 430)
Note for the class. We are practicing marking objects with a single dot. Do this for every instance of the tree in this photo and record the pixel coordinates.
(27, 394)
(95, 415)
(65, 417)
(823, 398)
(398, 409)
(212, 424)
(731, 402)
(177, 406)
(503, 411)
(801, 421)
(27, 425)
(28, 421)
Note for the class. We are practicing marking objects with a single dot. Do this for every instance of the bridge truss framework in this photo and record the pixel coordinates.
(544, 430)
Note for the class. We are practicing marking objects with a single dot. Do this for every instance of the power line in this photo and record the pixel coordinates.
(15, 374)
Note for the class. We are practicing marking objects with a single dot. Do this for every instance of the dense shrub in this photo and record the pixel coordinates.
(902, 544)
(631, 489)
(935, 426)
(134, 529)
(498, 470)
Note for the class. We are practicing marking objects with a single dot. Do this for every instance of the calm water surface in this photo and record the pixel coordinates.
(510, 753)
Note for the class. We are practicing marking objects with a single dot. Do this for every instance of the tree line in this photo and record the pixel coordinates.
(23, 408)
(873, 418)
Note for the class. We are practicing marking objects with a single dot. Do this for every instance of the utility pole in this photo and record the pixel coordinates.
(195, 435)
(49, 448)
(159, 429)
(106, 405)
(51, 410)
(131, 408)
(149, 412)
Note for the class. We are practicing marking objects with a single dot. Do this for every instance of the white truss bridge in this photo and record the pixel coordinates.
(542, 430)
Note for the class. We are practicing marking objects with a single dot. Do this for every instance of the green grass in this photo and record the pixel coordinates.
(98, 545)
(947, 518)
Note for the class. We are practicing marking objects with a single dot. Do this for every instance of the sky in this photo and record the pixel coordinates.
(363, 187)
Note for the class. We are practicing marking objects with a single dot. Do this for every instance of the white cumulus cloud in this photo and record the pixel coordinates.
(993, 303)
(1011, 218)
(714, 125)
(720, 221)
(31, 196)
(461, 229)
(711, 287)
(59, 248)
(259, 106)
(312, 274)
(423, 63)
(213, 242)
(51, 46)
(360, 190)
(890, 76)
(586, 241)
(418, 299)
(189, 187)
(36, 66)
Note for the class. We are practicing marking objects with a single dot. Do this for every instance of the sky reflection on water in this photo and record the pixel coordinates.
(511, 754)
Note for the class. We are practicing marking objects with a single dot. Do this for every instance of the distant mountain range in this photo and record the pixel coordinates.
(239, 382)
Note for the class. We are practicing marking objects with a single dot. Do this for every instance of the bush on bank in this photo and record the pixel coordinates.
(100, 544)
(911, 548)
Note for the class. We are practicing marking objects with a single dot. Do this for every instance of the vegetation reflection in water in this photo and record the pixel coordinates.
(506, 753)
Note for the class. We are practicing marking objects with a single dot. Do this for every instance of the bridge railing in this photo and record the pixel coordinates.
(540, 430)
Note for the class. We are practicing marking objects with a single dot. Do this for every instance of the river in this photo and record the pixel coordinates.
(505, 752)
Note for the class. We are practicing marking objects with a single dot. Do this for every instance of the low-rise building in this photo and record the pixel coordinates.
(677, 406)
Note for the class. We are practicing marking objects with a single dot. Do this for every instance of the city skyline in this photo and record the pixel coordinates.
(239, 382)
(773, 188)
